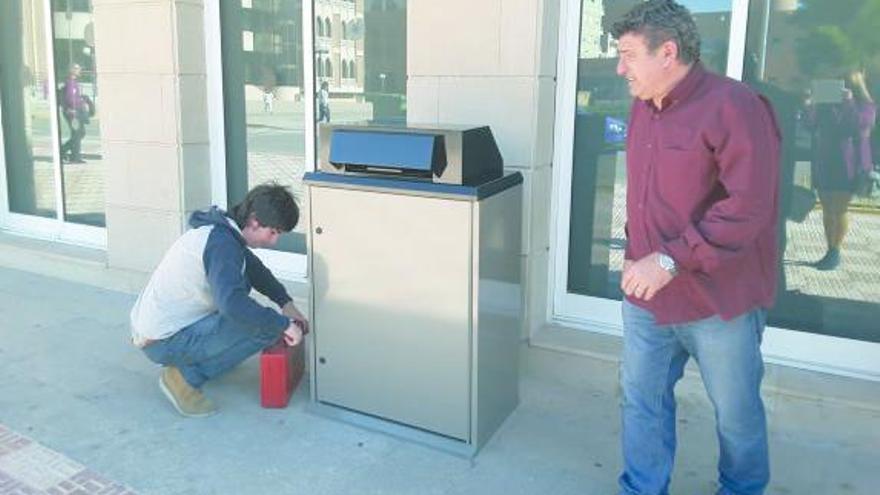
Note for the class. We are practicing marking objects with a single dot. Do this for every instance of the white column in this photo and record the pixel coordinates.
(151, 66)
(494, 62)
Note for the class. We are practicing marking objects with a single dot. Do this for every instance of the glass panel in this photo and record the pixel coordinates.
(360, 60)
(263, 97)
(26, 108)
(819, 64)
(82, 167)
(598, 186)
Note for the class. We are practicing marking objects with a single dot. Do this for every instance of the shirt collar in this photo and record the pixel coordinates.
(684, 88)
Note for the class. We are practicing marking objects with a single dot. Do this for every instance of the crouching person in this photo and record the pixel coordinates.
(196, 317)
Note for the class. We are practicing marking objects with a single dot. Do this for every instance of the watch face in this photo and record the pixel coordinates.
(667, 262)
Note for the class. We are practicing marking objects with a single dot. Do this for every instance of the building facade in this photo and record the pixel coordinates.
(192, 102)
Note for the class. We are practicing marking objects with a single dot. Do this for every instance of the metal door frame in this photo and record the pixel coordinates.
(52, 229)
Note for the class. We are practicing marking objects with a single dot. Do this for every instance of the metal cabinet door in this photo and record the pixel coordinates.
(392, 288)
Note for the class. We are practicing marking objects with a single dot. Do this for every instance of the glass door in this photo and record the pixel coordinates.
(51, 169)
(279, 68)
(593, 115)
(590, 182)
(266, 132)
(818, 64)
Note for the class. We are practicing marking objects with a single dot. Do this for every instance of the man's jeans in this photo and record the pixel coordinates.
(729, 358)
(209, 347)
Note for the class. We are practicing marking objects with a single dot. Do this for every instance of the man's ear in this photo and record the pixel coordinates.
(252, 222)
(669, 50)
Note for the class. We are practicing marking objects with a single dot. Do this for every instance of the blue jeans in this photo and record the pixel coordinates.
(729, 357)
(209, 347)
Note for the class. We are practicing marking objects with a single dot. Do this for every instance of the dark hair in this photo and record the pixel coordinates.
(271, 204)
(660, 21)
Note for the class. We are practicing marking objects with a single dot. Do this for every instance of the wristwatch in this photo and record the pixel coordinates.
(667, 263)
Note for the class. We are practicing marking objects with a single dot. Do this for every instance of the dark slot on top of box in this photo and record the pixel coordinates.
(442, 154)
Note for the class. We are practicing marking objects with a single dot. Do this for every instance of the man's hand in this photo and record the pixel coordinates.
(642, 279)
(293, 335)
(290, 311)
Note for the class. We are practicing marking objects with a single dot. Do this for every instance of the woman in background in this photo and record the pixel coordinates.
(841, 158)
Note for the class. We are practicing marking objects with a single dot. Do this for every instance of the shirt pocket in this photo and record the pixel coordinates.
(682, 149)
(679, 138)
(684, 170)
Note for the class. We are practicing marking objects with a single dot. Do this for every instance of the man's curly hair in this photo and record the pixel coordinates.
(660, 21)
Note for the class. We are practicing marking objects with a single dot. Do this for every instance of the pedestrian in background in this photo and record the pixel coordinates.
(324, 102)
(841, 161)
(76, 109)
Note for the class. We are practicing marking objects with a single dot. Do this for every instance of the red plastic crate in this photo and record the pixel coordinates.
(281, 368)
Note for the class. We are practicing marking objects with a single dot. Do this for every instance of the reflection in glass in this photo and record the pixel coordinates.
(360, 70)
(360, 61)
(263, 99)
(818, 63)
(82, 166)
(26, 106)
(598, 188)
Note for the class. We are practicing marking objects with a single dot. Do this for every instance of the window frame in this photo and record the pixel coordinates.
(56, 229)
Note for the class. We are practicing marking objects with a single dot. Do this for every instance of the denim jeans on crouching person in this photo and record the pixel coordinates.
(210, 347)
(729, 357)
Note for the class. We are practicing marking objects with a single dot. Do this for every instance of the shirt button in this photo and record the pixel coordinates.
(641, 206)
(650, 145)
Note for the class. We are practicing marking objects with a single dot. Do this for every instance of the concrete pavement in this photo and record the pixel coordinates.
(70, 380)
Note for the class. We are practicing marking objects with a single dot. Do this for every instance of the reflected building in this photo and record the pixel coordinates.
(339, 46)
(385, 69)
(272, 44)
(357, 47)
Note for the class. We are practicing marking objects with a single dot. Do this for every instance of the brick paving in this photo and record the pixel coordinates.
(28, 468)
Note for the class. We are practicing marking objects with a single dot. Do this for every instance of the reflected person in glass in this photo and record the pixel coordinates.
(842, 122)
(269, 87)
(324, 102)
(75, 109)
(700, 262)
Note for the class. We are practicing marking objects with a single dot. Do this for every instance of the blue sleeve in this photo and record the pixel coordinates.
(263, 281)
(224, 259)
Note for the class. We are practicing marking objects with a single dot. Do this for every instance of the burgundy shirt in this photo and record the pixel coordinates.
(702, 178)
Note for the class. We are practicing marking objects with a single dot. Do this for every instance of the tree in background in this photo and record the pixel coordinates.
(839, 35)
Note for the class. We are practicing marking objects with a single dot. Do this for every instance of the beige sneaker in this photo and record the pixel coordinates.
(187, 400)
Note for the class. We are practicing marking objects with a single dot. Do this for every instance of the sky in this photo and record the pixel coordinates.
(696, 6)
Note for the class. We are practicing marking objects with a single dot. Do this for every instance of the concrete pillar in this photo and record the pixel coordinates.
(494, 62)
(154, 129)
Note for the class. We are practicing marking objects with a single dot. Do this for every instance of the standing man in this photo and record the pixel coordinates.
(196, 317)
(700, 263)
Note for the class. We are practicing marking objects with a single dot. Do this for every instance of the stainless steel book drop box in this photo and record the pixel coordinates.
(448, 154)
(417, 303)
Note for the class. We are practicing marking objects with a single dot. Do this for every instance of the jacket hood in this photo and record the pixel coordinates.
(214, 216)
